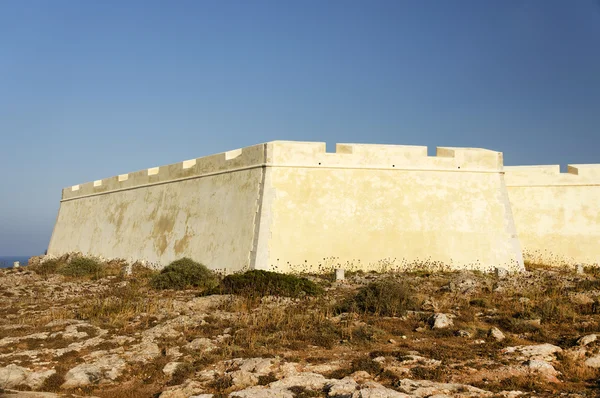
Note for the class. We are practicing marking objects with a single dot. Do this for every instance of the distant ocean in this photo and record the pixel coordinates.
(7, 261)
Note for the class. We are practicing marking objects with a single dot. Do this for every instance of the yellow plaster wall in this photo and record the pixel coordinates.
(375, 206)
(202, 208)
(292, 206)
(557, 214)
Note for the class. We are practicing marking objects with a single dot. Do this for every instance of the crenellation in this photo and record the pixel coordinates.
(302, 154)
(313, 154)
(544, 175)
(188, 163)
(591, 171)
(233, 154)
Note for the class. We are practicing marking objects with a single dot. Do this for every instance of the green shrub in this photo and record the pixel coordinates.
(81, 267)
(47, 267)
(479, 302)
(184, 274)
(259, 283)
(387, 297)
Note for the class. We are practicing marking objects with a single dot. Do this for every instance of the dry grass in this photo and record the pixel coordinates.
(318, 329)
(117, 306)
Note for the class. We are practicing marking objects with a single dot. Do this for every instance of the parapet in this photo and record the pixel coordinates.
(299, 154)
(238, 159)
(314, 154)
(550, 175)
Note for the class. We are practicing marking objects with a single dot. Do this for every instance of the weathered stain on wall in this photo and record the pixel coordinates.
(557, 214)
(291, 206)
(204, 209)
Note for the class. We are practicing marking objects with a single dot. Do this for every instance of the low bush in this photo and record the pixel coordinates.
(47, 268)
(184, 274)
(180, 374)
(387, 297)
(81, 267)
(259, 283)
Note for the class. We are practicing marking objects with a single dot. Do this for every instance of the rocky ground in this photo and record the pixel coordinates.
(466, 334)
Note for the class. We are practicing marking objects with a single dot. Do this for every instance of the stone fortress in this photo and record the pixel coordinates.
(292, 206)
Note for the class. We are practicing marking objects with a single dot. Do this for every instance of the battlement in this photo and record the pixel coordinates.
(237, 159)
(314, 154)
(550, 175)
(299, 154)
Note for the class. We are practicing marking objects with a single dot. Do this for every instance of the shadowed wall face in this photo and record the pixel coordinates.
(557, 214)
(203, 208)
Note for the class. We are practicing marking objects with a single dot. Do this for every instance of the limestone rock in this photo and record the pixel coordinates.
(360, 376)
(496, 334)
(170, 368)
(242, 379)
(201, 344)
(542, 367)
(463, 333)
(344, 387)
(71, 332)
(426, 388)
(105, 368)
(259, 366)
(593, 362)
(585, 340)
(543, 352)
(160, 332)
(262, 392)
(376, 390)
(12, 376)
(440, 321)
(143, 352)
(186, 390)
(36, 379)
(311, 381)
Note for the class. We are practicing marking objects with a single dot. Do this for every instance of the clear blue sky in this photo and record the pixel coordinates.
(91, 89)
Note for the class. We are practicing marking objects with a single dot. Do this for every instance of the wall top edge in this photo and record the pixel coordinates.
(533, 175)
(300, 153)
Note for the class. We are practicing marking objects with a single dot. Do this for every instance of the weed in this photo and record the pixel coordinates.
(479, 302)
(425, 373)
(259, 283)
(221, 383)
(387, 297)
(182, 371)
(116, 306)
(53, 383)
(366, 364)
(183, 274)
(267, 379)
(47, 268)
(82, 267)
(302, 392)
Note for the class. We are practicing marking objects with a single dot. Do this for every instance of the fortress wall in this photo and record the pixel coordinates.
(557, 214)
(368, 206)
(203, 208)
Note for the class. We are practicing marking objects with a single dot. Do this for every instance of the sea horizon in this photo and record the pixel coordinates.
(8, 261)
